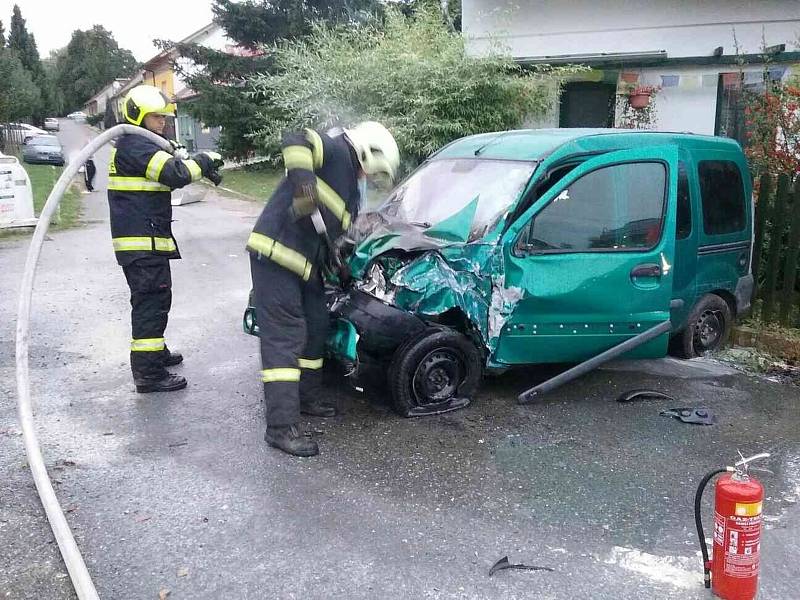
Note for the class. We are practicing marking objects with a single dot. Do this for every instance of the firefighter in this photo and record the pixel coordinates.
(140, 178)
(290, 244)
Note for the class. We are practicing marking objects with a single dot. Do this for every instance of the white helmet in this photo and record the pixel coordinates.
(375, 147)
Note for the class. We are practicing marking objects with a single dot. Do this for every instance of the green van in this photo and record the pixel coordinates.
(543, 246)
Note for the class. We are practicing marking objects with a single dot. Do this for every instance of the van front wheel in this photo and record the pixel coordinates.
(435, 372)
(707, 328)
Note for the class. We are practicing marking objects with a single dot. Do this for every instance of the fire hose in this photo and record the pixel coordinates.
(76, 567)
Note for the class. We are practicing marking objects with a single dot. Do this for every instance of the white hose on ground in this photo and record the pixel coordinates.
(81, 580)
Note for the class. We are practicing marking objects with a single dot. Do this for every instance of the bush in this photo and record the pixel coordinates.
(94, 119)
(413, 75)
(772, 118)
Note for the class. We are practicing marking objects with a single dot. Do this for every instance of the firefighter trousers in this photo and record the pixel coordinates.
(150, 282)
(293, 325)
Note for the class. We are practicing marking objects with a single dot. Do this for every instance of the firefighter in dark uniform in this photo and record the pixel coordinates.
(292, 240)
(141, 177)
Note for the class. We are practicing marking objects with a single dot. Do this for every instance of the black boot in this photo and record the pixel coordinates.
(289, 439)
(172, 358)
(168, 383)
(317, 408)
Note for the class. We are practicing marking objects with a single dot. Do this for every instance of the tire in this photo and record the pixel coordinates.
(434, 372)
(707, 329)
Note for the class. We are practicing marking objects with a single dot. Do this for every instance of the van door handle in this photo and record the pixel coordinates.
(647, 270)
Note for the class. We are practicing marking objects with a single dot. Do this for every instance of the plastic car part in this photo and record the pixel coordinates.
(434, 372)
(503, 564)
(695, 416)
(634, 395)
(381, 327)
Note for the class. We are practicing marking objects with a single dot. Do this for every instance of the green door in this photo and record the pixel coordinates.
(593, 258)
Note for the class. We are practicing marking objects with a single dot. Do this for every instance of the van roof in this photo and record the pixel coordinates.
(536, 144)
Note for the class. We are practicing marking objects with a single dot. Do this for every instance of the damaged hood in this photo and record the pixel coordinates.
(433, 248)
(442, 278)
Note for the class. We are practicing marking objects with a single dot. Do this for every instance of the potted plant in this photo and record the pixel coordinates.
(639, 96)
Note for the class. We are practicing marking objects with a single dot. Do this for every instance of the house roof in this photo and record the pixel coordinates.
(535, 144)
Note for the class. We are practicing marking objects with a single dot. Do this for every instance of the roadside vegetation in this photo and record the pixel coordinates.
(253, 182)
(43, 178)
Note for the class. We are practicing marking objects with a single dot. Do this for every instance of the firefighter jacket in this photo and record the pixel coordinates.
(321, 172)
(140, 178)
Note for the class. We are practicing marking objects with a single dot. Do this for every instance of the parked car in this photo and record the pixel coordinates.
(543, 246)
(78, 115)
(51, 124)
(43, 149)
(20, 133)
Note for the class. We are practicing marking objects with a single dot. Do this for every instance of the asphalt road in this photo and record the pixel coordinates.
(179, 492)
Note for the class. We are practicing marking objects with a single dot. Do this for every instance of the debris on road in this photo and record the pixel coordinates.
(503, 564)
(696, 416)
(643, 394)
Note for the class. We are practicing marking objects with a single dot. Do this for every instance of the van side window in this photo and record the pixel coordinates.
(723, 197)
(684, 225)
(613, 208)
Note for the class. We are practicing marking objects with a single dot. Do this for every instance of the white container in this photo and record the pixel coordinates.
(16, 196)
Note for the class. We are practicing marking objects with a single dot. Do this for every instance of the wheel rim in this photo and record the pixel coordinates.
(708, 331)
(438, 377)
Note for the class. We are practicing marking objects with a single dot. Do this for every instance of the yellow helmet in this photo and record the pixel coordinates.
(145, 100)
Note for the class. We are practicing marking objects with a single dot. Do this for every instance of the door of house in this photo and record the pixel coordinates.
(587, 104)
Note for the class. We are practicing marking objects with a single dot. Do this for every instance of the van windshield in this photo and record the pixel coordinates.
(465, 196)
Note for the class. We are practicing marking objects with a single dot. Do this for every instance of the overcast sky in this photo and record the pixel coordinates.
(134, 23)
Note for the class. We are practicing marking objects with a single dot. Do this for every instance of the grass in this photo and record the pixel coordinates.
(254, 183)
(260, 182)
(43, 178)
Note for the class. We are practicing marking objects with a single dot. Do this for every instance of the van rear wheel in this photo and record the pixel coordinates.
(707, 329)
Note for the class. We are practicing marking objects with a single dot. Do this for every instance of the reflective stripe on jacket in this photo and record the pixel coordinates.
(284, 232)
(140, 178)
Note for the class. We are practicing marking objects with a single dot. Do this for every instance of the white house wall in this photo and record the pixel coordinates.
(536, 28)
(213, 37)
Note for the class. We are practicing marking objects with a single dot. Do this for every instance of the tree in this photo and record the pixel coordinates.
(18, 94)
(414, 75)
(220, 79)
(23, 43)
(255, 22)
(92, 60)
(2, 35)
(450, 9)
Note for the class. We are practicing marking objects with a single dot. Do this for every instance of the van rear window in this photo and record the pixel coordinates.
(723, 197)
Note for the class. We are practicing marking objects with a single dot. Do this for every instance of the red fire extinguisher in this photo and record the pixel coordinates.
(732, 573)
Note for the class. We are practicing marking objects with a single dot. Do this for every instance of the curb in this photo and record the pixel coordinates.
(771, 342)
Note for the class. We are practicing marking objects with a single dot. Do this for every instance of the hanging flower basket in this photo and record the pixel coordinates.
(640, 96)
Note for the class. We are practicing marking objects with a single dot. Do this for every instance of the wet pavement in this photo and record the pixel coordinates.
(179, 492)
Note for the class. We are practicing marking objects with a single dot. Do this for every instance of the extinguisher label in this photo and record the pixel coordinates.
(749, 509)
(739, 537)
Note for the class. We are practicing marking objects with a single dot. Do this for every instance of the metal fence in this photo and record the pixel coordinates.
(777, 248)
(12, 138)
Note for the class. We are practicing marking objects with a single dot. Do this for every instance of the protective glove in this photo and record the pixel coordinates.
(215, 158)
(304, 201)
(179, 150)
(214, 177)
(209, 165)
(345, 274)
